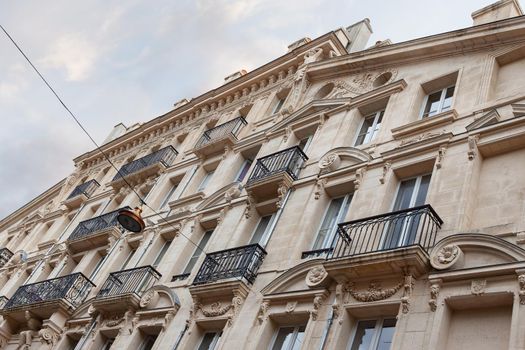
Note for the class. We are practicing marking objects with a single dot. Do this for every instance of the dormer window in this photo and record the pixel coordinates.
(438, 101)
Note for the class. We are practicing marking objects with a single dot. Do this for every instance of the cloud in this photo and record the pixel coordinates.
(75, 54)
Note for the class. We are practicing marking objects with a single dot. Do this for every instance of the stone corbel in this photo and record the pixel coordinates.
(472, 147)
(319, 188)
(521, 293)
(322, 119)
(236, 304)
(359, 177)
(262, 314)
(435, 287)
(440, 156)
(49, 336)
(250, 206)
(386, 168)
(287, 133)
(318, 300)
(281, 194)
(408, 287)
(337, 306)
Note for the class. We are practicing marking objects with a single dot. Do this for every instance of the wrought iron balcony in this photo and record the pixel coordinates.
(129, 282)
(5, 255)
(317, 253)
(43, 297)
(163, 158)
(95, 225)
(87, 189)
(3, 301)
(288, 161)
(242, 262)
(216, 138)
(409, 227)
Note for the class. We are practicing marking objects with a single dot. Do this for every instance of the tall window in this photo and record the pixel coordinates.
(210, 340)
(128, 258)
(370, 127)
(100, 260)
(197, 252)
(335, 213)
(305, 143)
(108, 343)
(278, 105)
(205, 180)
(148, 342)
(243, 170)
(374, 334)
(264, 228)
(289, 338)
(168, 196)
(161, 253)
(411, 193)
(437, 102)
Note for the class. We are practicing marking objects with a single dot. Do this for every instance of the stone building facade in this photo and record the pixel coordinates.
(416, 150)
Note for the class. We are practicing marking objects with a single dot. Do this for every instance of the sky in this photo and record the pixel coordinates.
(130, 61)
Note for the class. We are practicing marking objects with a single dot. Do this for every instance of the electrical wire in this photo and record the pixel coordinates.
(100, 149)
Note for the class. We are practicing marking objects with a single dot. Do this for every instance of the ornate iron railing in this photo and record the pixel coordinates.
(72, 288)
(131, 281)
(290, 161)
(316, 253)
(87, 188)
(231, 127)
(403, 228)
(3, 301)
(93, 225)
(242, 262)
(5, 255)
(165, 156)
(180, 277)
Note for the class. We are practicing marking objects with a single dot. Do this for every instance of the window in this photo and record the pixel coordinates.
(243, 170)
(107, 345)
(278, 104)
(370, 127)
(205, 180)
(128, 258)
(168, 196)
(374, 334)
(437, 102)
(334, 214)
(411, 193)
(210, 340)
(305, 143)
(289, 338)
(263, 230)
(161, 254)
(148, 342)
(97, 266)
(197, 252)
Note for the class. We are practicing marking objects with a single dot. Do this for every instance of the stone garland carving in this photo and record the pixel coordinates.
(472, 147)
(420, 138)
(359, 177)
(386, 168)
(408, 286)
(434, 292)
(341, 89)
(262, 315)
(318, 300)
(374, 292)
(477, 287)
(216, 309)
(440, 156)
(521, 293)
(316, 276)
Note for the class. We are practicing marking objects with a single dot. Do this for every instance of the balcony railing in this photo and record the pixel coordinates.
(5, 255)
(231, 127)
(317, 253)
(290, 161)
(132, 281)
(72, 288)
(409, 227)
(165, 156)
(3, 301)
(99, 223)
(87, 188)
(242, 262)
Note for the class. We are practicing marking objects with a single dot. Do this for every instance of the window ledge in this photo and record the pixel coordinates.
(425, 124)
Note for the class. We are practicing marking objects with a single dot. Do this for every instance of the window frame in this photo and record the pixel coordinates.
(377, 331)
(216, 338)
(246, 162)
(265, 237)
(296, 328)
(162, 252)
(329, 238)
(366, 140)
(205, 180)
(441, 101)
(166, 199)
(197, 252)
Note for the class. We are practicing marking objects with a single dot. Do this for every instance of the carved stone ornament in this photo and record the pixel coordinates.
(386, 168)
(359, 177)
(419, 138)
(337, 306)
(281, 194)
(374, 292)
(48, 336)
(477, 287)
(330, 162)
(521, 281)
(318, 300)
(316, 276)
(147, 297)
(446, 257)
(434, 292)
(472, 147)
(408, 286)
(319, 188)
(216, 309)
(290, 307)
(262, 315)
(440, 156)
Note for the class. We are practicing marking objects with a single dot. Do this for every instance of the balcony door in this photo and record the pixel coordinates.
(402, 229)
(334, 215)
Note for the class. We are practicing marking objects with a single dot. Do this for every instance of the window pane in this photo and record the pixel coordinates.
(378, 125)
(284, 338)
(197, 252)
(366, 130)
(423, 189)
(207, 341)
(329, 222)
(261, 229)
(299, 338)
(148, 342)
(432, 106)
(244, 170)
(387, 334)
(278, 105)
(404, 194)
(447, 102)
(303, 143)
(364, 334)
(163, 251)
(166, 199)
(205, 180)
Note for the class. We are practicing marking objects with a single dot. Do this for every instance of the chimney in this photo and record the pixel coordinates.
(298, 43)
(180, 103)
(118, 130)
(497, 11)
(234, 76)
(357, 35)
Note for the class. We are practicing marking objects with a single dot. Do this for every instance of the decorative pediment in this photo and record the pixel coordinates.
(342, 157)
(489, 118)
(221, 196)
(466, 250)
(305, 276)
(518, 109)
